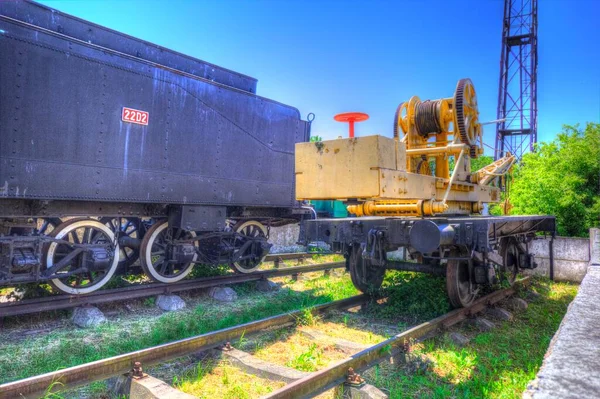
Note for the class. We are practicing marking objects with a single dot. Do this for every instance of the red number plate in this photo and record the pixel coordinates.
(135, 116)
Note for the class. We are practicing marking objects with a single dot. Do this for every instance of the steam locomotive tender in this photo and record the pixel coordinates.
(114, 149)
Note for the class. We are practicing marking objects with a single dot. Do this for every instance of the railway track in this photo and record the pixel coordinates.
(307, 386)
(58, 302)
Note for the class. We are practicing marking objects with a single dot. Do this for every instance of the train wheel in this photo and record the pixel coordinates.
(459, 282)
(126, 227)
(81, 231)
(365, 277)
(250, 228)
(510, 259)
(46, 225)
(155, 253)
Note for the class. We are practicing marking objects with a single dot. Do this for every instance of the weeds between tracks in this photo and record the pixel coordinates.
(496, 364)
(67, 346)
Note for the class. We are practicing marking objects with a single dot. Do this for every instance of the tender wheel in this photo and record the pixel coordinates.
(130, 228)
(459, 283)
(509, 251)
(156, 253)
(250, 228)
(365, 277)
(46, 225)
(81, 231)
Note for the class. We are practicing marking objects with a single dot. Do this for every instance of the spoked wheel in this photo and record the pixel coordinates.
(459, 282)
(156, 253)
(81, 231)
(46, 225)
(510, 261)
(130, 228)
(366, 277)
(250, 228)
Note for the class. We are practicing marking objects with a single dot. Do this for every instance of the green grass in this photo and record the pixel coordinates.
(67, 346)
(413, 296)
(496, 364)
(307, 361)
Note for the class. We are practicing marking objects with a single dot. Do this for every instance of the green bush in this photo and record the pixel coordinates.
(562, 178)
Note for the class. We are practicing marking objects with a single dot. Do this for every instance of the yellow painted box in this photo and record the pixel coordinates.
(346, 168)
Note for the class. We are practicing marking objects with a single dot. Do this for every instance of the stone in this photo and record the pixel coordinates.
(266, 286)
(414, 362)
(532, 295)
(517, 304)
(458, 339)
(223, 294)
(170, 303)
(482, 324)
(499, 314)
(87, 316)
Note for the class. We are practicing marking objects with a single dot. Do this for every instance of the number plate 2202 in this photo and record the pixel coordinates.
(135, 116)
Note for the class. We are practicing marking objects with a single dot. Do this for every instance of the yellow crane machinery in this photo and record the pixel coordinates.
(416, 191)
(409, 174)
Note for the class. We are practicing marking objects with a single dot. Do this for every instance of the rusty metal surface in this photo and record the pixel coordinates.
(337, 373)
(103, 296)
(86, 373)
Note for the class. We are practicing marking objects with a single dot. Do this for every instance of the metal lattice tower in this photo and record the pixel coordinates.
(517, 95)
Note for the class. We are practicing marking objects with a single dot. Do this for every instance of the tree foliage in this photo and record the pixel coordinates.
(562, 178)
(478, 163)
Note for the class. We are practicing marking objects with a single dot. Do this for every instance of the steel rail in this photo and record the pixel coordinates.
(291, 256)
(58, 302)
(335, 374)
(102, 369)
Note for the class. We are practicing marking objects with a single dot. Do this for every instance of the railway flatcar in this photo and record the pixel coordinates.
(404, 192)
(114, 149)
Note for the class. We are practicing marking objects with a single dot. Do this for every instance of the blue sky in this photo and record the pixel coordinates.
(329, 57)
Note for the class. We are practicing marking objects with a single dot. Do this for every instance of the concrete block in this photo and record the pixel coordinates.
(571, 257)
(266, 286)
(170, 303)
(594, 247)
(284, 237)
(342, 345)
(499, 314)
(153, 388)
(87, 316)
(458, 339)
(223, 294)
(256, 366)
(286, 249)
(570, 367)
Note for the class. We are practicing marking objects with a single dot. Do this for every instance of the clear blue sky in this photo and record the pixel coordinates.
(329, 57)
